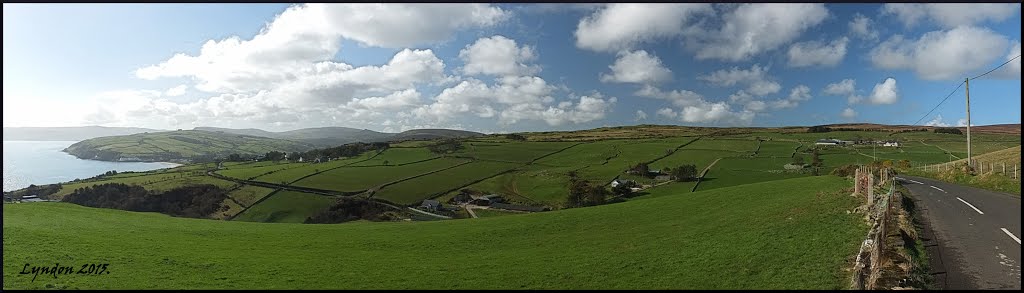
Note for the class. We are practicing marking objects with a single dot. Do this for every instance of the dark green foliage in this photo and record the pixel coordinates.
(818, 129)
(623, 189)
(274, 156)
(948, 130)
(514, 136)
(350, 209)
(684, 173)
(347, 150)
(446, 146)
(196, 201)
(845, 170)
(582, 193)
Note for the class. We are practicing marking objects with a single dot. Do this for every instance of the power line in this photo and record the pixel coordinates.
(994, 69)
(940, 103)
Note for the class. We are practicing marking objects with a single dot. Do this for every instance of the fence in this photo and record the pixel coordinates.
(1011, 169)
(870, 257)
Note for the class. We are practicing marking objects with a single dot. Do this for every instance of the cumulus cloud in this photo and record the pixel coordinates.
(752, 29)
(861, 27)
(637, 67)
(512, 99)
(848, 113)
(694, 108)
(500, 56)
(961, 122)
(1010, 70)
(885, 93)
(621, 26)
(842, 88)
(815, 53)
(306, 35)
(800, 93)
(937, 121)
(951, 15)
(176, 91)
(941, 55)
(640, 115)
(756, 80)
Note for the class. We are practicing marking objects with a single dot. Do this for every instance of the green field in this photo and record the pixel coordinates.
(248, 194)
(253, 172)
(791, 234)
(414, 190)
(398, 156)
(286, 207)
(518, 152)
(487, 213)
(531, 185)
(739, 171)
(348, 179)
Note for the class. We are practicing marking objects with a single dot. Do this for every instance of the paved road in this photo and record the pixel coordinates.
(973, 234)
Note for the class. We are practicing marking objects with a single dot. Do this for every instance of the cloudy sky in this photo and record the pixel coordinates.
(505, 67)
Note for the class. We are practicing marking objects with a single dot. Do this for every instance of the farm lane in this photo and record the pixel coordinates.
(977, 232)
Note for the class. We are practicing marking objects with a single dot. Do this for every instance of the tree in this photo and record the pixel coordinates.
(798, 160)
(903, 164)
(684, 173)
(624, 189)
(514, 136)
(639, 169)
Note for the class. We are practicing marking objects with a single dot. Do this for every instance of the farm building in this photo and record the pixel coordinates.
(515, 207)
(616, 182)
(430, 204)
(828, 142)
(483, 200)
(891, 144)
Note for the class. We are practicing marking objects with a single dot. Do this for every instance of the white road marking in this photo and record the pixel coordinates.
(970, 205)
(1011, 235)
(911, 180)
(940, 189)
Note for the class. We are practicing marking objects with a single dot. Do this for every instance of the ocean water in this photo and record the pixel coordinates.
(43, 162)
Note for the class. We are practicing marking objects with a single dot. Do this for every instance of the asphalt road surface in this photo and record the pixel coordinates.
(972, 235)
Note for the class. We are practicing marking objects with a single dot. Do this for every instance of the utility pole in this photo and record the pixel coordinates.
(968, 92)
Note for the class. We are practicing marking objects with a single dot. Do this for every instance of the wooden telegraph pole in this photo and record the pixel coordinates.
(968, 91)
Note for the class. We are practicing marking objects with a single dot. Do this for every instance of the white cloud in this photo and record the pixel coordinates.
(498, 55)
(394, 101)
(961, 122)
(848, 113)
(941, 55)
(950, 15)
(176, 91)
(637, 67)
(621, 26)
(734, 76)
(885, 93)
(512, 99)
(817, 53)
(861, 27)
(640, 115)
(842, 88)
(694, 108)
(305, 35)
(756, 106)
(937, 122)
(1010, 70)
(800, 93)
(751, 29)
(761, 88)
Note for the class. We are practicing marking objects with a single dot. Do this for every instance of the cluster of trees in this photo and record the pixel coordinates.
(683, 173)
(347, 150)
(948, 130)
(514, 136)
(351, 209)
(446, 146)
(818, 129)
(583, 193)
(194, 201)
(43, 191)
(240, 157)
(641, 169)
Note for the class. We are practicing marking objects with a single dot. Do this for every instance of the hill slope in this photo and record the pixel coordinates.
(178, 146)
(789, 234)
(69, 133)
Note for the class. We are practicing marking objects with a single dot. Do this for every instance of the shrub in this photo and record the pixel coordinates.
(845, 170)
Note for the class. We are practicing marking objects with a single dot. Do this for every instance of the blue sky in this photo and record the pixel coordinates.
(505, 67)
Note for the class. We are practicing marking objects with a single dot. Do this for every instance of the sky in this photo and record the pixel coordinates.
(498, 68)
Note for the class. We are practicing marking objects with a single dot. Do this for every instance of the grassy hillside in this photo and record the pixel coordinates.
(178, 146)
(790, 234)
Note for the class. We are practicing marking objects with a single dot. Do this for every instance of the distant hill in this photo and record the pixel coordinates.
(995, 128)
(69, 133)
(334, 136)
(179, 146)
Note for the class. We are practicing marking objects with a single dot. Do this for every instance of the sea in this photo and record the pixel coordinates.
(43, 162)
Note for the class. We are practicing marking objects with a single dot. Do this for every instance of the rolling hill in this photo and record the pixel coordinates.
(69, 133)
(176, 146)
